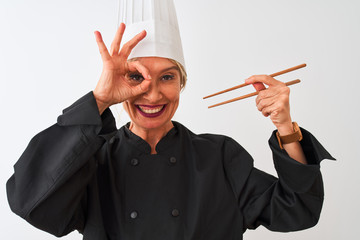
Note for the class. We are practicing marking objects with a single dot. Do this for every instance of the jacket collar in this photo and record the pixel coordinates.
(167, 141)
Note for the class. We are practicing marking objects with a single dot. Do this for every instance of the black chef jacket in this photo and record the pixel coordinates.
(84, 174)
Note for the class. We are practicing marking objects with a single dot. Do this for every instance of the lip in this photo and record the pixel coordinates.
(151, 115)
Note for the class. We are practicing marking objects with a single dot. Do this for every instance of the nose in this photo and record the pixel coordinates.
(153, 95)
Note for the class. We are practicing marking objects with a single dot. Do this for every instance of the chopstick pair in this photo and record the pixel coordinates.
(254, 93)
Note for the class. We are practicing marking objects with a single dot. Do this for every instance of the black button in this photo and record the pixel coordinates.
(173, 160)
(112, 140)
(175, 212)
(134, 162)
(133, 215)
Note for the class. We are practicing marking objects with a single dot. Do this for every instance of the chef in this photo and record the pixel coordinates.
(154, 178)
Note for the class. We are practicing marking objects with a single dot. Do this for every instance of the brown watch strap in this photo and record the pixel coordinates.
(293, 137)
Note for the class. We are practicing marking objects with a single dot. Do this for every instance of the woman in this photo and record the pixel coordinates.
(154, 178)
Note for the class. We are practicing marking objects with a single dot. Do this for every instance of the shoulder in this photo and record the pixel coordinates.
(208, 140)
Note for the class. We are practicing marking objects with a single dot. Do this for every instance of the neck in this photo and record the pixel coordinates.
(151, 136)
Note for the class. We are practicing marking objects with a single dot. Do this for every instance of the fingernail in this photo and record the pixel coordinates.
(149, 77)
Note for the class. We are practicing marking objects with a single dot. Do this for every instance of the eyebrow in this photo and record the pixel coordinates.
(164, 70)
(170, 68)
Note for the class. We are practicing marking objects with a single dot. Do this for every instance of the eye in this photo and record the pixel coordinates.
(167, 77)
(136, 77)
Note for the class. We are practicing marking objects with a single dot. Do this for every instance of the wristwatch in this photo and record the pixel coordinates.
(296, 136)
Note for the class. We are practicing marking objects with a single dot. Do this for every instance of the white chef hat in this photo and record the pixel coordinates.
(158, 18)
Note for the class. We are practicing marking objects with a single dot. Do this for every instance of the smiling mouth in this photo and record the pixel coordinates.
(151, 111)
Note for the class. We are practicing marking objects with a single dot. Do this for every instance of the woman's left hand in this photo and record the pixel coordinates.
(272, 101)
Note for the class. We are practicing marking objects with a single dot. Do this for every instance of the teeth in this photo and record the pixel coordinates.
(152, 110)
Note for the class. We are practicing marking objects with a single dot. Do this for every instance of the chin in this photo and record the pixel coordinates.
(152, 123)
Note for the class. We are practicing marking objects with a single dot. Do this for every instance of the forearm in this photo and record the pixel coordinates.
(294, 201)
(101, 105)
(99, 96)
(294, 149)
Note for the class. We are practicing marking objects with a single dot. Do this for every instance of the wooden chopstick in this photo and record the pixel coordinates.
(244, 84)
(250, 94)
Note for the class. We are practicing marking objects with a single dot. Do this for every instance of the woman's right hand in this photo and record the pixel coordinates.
(114, 86)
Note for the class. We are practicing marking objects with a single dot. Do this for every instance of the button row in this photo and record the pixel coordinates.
(172, 160)
(136, 161)
(175, 213)
(133, 214)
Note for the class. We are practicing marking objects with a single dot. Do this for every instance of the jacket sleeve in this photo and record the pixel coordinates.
(48, 187)
(290, 202)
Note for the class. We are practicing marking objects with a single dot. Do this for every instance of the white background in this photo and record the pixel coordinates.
(49, 58)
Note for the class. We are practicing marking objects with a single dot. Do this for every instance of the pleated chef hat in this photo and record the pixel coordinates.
(158, 18)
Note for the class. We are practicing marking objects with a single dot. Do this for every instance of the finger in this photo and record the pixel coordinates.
(265, 79)
(264, 103)
(102, 48)
(137, 66)
(142, 87)
(115, 45)
(259, 86)
(267, 111)
(275, 106)
(128, 47)
(268, 93)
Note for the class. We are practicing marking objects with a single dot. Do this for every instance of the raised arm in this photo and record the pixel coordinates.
(114, 85)
(273, 102)
(51, 178)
